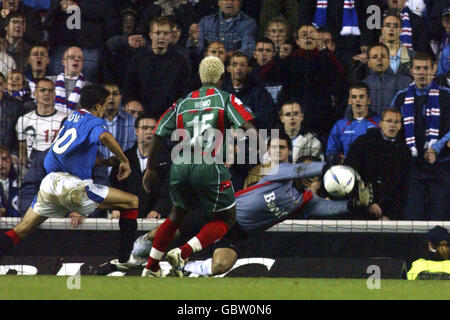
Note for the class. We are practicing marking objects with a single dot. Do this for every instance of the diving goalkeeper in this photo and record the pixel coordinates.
(275, 198)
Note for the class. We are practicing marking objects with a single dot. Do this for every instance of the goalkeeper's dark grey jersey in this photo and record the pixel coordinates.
(274, 198)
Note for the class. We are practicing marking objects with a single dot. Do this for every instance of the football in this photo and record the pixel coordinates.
(339, 181)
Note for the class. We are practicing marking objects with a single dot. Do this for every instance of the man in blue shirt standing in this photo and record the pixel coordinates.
(120, 123)
(230, 26)
(346, 130)
(68, 185)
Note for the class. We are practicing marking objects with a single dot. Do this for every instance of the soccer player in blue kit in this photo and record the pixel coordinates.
(275, 198)
(68, 186)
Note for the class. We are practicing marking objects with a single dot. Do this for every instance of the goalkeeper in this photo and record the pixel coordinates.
(275, 198)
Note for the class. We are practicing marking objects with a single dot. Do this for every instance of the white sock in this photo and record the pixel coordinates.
(156, 254)
(195, 244)
(203, 268)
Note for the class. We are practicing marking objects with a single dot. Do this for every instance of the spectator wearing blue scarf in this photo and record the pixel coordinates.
(414, 29)
(425, 110)
(346, 19)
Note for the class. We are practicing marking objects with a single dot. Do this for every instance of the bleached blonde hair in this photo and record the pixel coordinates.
(211, 69)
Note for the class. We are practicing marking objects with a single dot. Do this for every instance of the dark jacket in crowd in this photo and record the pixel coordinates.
(28, 73)
(157, 81)
(258, 99)
(384, 88)
(310, 77)
(19, 52)
(34, 32)
(442, 81)
(10, 203)
(264, 75)
(268, 72)
(10, 110)
(435, 28)
(435, 16)
(335, 10)
(386, 164)
(358, 71)
(37, 172)
(115, 57)
(136, 5)
(98, 22)
(159, 197)
(185, 15)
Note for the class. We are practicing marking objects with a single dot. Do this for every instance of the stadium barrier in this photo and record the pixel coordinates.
(285, 226)
(293, 248)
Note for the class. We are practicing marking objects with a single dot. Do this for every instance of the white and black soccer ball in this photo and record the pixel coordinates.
(339, 181)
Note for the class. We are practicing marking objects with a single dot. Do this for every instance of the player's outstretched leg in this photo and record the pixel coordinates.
(143, 245)
(141, 249)
(209, 234)
(222, 261)
(128, 205)
(164, 235)
(11, 238)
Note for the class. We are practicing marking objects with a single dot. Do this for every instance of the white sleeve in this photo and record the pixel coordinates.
(19, 129)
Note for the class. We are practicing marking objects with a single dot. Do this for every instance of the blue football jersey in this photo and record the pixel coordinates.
(75, 149)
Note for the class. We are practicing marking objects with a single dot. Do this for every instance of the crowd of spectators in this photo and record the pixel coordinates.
(322, 72)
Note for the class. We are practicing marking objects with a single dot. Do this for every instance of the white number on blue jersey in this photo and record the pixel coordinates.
(57, 148)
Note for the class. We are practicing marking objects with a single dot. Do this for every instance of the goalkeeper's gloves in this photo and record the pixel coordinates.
(364, 197)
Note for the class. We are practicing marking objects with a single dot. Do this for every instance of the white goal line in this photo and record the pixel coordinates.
(364, 226)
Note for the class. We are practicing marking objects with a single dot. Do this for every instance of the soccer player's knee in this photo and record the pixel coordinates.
(133, 202)
(223, 262)
(221, 266)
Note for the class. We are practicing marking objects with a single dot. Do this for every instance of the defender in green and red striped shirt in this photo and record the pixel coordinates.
(199, 112)
(202, 110)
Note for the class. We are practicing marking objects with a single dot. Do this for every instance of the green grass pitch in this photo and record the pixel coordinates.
(137, 288)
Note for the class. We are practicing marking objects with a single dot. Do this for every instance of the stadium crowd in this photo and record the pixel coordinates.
(344, 82)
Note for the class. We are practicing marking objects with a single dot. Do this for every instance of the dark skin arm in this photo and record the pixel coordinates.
(151, 173)
(110, 142)
(110, 162)
(253, 132)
